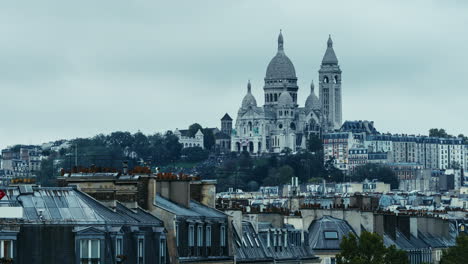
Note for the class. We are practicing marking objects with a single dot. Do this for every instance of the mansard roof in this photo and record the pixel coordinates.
(318, 240)
(65, 205)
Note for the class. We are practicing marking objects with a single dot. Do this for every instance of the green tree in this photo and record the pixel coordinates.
(368, 248)
(193, 129)
(464, 138)
(194, 154)
(436, 132)
(457, 254)
(208, 138)
(314, 143)
(277, 176)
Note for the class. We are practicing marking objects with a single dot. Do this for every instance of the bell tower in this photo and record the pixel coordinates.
(330, 90)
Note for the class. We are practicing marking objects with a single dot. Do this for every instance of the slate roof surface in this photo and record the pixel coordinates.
(252, 246)
(252, 251)
(196, 209)
(423, 241)
(138, 215)
(175, 208)
(67, 206)
(205, 210)
(317, 230)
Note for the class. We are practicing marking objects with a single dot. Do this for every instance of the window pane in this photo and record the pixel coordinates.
(95, 248)
(162, 248)
(118, 249)
(140, 247)
(6, 249)
(331, 235)
(84, 248)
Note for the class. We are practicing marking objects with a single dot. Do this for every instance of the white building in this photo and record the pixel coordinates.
(280, 123)
(187, 141)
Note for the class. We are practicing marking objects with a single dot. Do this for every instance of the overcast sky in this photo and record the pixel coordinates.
(79, 68)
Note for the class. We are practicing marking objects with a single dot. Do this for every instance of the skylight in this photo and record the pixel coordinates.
(330, 234)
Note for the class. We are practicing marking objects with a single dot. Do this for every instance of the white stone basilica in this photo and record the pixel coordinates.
(280, 123)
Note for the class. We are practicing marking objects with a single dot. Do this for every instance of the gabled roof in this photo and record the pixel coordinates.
(226, 117)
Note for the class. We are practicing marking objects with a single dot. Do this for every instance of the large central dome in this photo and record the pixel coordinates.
(280, 67)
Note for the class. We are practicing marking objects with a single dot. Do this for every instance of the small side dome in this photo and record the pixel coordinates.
(312, 102)
(285, 98)
(249, 99)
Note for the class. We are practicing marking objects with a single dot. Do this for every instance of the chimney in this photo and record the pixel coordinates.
(403, 224)
(175, 190)
(204, 192)
(414, 226)
(125, 167)
(151, 194)
(390, 223)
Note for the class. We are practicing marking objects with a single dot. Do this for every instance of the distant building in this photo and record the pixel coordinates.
(188, 141)
(223, 138)
(280, 123)
(357, 156)
(336, 147)
(21, 164)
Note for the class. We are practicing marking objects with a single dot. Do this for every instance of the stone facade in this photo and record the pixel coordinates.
(187, 141)
(280, 123)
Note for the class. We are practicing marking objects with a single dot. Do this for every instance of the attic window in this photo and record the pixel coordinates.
(330, 234)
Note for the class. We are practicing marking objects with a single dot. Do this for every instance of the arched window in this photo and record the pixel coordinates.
(293, 126)
(280, 113)
(325, 79)
(335, 79)
(271, 97)
(250, 126)
(276, 97)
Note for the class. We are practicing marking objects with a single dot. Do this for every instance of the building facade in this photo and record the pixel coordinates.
(280, 123)
(188, 141)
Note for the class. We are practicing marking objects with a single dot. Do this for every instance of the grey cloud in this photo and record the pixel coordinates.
(70, 69)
